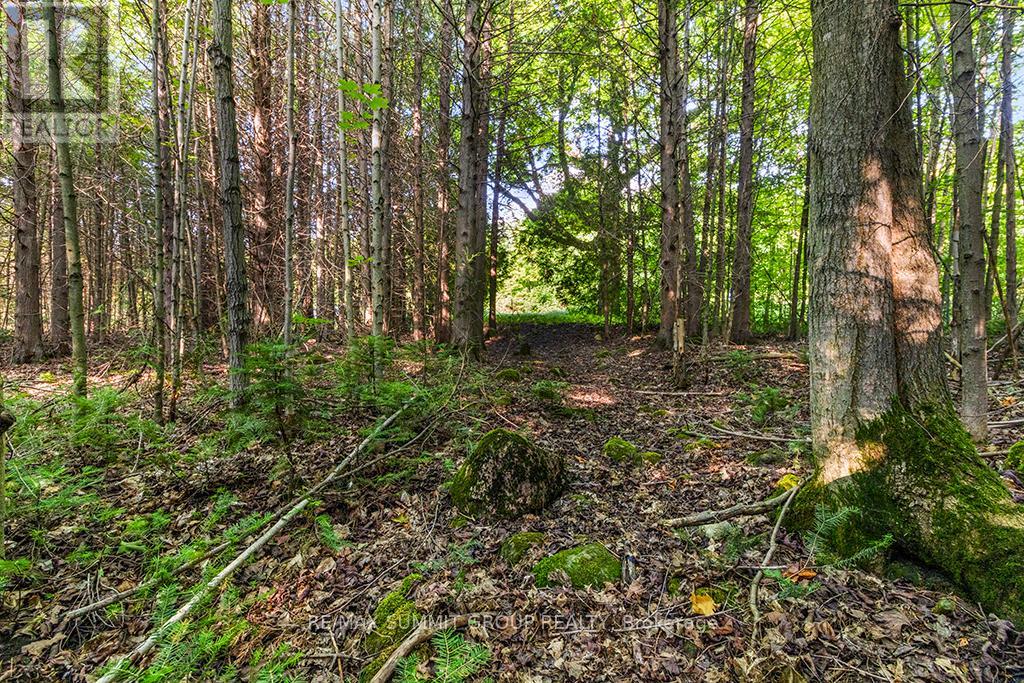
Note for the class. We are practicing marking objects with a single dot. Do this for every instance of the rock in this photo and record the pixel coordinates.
(508, 476)
(586, 565)
(517, 545)
(394, 618)
(651, 457)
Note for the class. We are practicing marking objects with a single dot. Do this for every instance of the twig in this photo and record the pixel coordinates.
(790, 495)
(658, 392)
(738, 510)
(150, 642)
(422, 633)
(1006, 424)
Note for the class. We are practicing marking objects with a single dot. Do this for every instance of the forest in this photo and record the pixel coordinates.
(465, 341)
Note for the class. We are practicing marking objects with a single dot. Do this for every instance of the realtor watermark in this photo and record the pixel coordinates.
(87, 42)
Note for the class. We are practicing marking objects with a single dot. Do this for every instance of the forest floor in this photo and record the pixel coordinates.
(112, 508)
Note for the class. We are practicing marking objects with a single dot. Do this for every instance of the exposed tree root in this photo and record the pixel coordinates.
(420, 635)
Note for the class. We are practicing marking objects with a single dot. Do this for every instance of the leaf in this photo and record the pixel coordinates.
(702, 604)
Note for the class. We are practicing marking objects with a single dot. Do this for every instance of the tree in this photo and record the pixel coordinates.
(1009, 160)
(343, 199)
(69, 201)
(28, 326)
(377, 245)
(969, 174)
(236, 283)
(739, 326)
(668, 60)
(886, 437)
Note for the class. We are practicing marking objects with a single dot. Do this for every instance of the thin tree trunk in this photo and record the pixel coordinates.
(974, 385)
(442, 321)
(377, 245)
(236, 283)
(1010, 166)
(343, 228)
(60, 322)
(668, 59)
(289, 193)
(419, 296)
(76, 310)
(739, 328)
(794, 297)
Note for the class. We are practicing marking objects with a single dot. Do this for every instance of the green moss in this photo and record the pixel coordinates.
(586, 565)
(517, 545)
(395, 617)
(771, 456)
(391, 602)
(507, 476)
(651, 457)
(1015, 459)
(508, 375)
(620, 450)
(930, 490)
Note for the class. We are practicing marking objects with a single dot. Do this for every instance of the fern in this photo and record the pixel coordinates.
(454, 661)
(823, 543)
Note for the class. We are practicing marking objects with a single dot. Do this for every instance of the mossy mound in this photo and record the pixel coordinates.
(517, 545)
(508, 476)
(651, 457)
(1015, 459)
(586, 565)
(620, 450)
(508, 375)
(936, 498)
(394, 617)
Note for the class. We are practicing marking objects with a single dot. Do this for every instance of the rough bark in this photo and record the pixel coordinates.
(377, 245)
(236, 283)
(28, 328)
(668, 59)
(969, 178)
(886, 438)
(739, 328)
(442, 319)
(60, 321)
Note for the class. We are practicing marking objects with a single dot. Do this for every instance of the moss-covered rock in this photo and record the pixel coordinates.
(517, 545)
(651, 457)
(508, 375)
(586, 565)
(507, 476)
(620, 450)
(394, 617)
(927, 487)
(1015, 459)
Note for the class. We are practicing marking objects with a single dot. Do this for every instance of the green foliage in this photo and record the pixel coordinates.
(828, 546)
(454, 661)
(790, 589)
(763, 404)
(1015, 458)
(549, 391)
(740, 364)
(326, 533)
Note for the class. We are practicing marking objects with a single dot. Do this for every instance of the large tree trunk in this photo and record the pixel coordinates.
(467, 323)
(236, 283)
(28, 328)
(969, 166)
(886, 437)
(739, 328)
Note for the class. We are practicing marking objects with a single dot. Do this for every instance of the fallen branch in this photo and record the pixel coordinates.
(298, 506)
(127, 593)
(755, 584)
(738, 510)
(658, 392)
(1006, 424)
(744, 435)
(420, 635)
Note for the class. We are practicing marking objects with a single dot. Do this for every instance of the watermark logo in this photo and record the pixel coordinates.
(89, 71)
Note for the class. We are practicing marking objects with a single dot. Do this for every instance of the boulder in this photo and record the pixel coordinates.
(507, 476)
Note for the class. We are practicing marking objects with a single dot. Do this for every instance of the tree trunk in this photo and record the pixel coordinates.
(161, 283)
(794, 296)
(60, 322)
(266, 278)
(236, 284)
(467, 329)
(419, 295)
(442, 319)
(974, 368)
(1010, 168)
(28, 326)
(76, 310)
(289, 192)
(668, 58)
(886, 437)
(377, 253)
(739, 329)
(348, 284)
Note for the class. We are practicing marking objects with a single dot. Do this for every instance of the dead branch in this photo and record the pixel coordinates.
(738, 510)
(203, 591)
(755, 584)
